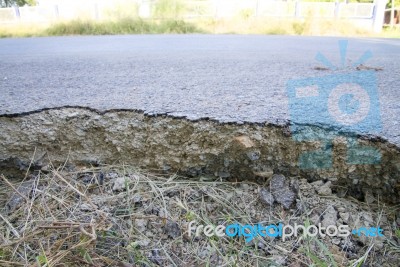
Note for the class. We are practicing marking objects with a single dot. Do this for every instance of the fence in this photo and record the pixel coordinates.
(366, 14)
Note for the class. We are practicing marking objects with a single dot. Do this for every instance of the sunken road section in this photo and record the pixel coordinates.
(249, 151)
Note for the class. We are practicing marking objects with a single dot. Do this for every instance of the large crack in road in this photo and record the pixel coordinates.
(73, 136)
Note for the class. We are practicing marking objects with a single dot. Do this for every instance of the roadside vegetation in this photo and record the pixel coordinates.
(166, 17)
(122, 26)
(123, 216)
(86, 27)
(309, 26)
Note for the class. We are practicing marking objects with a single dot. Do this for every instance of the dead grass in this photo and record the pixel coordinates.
(309, 26)
(22, 30)
(121, 216)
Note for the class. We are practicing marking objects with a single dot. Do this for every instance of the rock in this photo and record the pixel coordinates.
(137, 198)
(368, 220)
(203, 253)
(245, 186)
(45, 168)
(253, 155)
(344, 216)
(119, 184)
(378, 243)
(341, 209)
(278, 259)
(369, 197)
(325, 190)
(277, 182)
(286, 198)
(264, 174)
(141, 243)
(141, 225)
(317, 183)
(266, 197)
(155, 257)
(336, 240)
(85, 207)
(329, 217)
(244, 141)
(112, 175)
(315, 219)
(294, 185)
(281, 191)
(172, 229)
(100, 178)
(162, 213)
(210, 207)
(16, 200)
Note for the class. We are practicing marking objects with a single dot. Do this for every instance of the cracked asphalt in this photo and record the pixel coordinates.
(229, 78)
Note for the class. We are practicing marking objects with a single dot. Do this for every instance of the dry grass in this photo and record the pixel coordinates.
(81, 218)
(22, 30)
(310, 26)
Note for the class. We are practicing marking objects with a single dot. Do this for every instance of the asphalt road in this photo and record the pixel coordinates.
(230, 78)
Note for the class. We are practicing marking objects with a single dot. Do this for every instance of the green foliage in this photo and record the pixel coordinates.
(122, 26)
(8, 3)
(246, 13)
(5, 254)
(190, 216)
(176, 26)
(85, 255)
(41, 260)
(298, 27)
(397, 233)
(168, 9)
(138, 255)
(396, 3)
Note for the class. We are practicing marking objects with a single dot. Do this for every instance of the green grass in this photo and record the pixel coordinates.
(122, 26)
(391, 33)
(87, 27)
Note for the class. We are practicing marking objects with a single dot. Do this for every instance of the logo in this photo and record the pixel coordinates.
(249, 232)
(343, 104)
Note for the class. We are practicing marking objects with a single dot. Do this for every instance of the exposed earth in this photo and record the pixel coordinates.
(119, 216)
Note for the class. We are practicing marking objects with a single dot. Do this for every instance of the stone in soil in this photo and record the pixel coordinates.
(329, 217)
(325, 189)
(119, 184)
(172, 229)
(282, 191)
(266, 197)
(24, 190)
(141, 225)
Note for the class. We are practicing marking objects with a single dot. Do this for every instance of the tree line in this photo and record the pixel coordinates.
(9, 3)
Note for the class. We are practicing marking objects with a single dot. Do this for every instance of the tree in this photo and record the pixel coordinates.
(396, 3)
(8, 3)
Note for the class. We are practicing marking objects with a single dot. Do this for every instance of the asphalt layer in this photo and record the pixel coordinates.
(229, 78)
